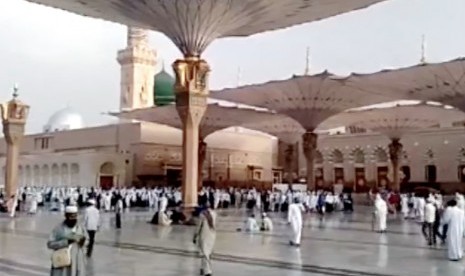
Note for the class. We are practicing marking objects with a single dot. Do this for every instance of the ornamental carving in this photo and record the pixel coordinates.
(309, 144)
(289, 154)
(191, 76)
(153, 156)
(395, 150)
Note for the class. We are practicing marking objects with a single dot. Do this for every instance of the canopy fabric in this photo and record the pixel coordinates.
(193, 24)
(441, 82)
(309, 100)
(286, 129)
(217, 117)
(394, 122)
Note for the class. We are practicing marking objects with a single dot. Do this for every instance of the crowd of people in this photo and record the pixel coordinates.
(439, 221)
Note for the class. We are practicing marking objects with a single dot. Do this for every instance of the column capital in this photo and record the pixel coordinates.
(191, 76)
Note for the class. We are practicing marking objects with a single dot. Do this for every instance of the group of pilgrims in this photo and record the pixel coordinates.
(28, 199)
(438, 220)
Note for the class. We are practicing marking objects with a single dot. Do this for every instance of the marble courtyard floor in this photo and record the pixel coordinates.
(341, 245)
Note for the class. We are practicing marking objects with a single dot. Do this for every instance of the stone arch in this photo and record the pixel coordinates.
(45, 173)
(64, 172)
(55, 174)
(429, 156)
(358, 156)
(107, 168)
(74, 170)
(380, 155)
(461, 155)
(20, 176)
(337, 156)
(28, 175)
(318, 157)
(107, 175)
(36, 175)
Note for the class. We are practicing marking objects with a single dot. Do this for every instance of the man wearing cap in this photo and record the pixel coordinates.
(67, 241)
(92, 224)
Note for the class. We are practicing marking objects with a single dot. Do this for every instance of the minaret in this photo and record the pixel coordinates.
(238, 76)
(137, 62)
(307, 62)
(423, 50)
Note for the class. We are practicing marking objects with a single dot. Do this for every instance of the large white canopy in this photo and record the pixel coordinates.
(394, 122)
(307, 99)
(217, 117)
(440, 82)
(193, 24)
(284, 128)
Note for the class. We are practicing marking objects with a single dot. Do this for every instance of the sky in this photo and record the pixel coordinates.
(60, 59)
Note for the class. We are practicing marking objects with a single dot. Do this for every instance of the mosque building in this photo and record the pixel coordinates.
(67, 153)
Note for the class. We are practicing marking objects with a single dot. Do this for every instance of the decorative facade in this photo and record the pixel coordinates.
(138, 154)
(360, 160)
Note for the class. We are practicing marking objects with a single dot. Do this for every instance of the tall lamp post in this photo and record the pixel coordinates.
(14, 115)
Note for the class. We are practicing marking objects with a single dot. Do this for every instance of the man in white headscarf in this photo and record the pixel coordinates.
(267, 224)
(294, 218)
(454, 218)
(67, 241)
(460, 201)
(380, 212)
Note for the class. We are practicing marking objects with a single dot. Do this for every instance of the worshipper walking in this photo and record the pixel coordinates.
(294, 218)
(454, 218)
(118, 210)
(380, 214)
(428, 224)
(205, 237)
(92, 224)
(67, 241)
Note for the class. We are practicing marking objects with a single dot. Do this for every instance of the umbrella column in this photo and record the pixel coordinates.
(309, 148)
(395, 151)
(202, 157)
(289, 159)
(191, 103)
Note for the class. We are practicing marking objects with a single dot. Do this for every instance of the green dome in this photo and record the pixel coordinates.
(163, 89)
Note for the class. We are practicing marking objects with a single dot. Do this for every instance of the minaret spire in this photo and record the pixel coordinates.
(238, 76)
(137, 36)
(307, 62)
(423, 50)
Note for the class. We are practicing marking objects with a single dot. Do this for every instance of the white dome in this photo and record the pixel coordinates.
(64, 119)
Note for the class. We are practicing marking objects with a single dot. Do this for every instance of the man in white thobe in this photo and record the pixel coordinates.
(251, 224)
(454, 218)
(294, 218)
(381, 211)
(205, 238)
(92, 224)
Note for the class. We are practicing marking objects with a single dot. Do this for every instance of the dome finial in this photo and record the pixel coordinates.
(15, 91)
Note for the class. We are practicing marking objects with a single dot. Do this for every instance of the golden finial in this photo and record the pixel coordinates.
(307, 62)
